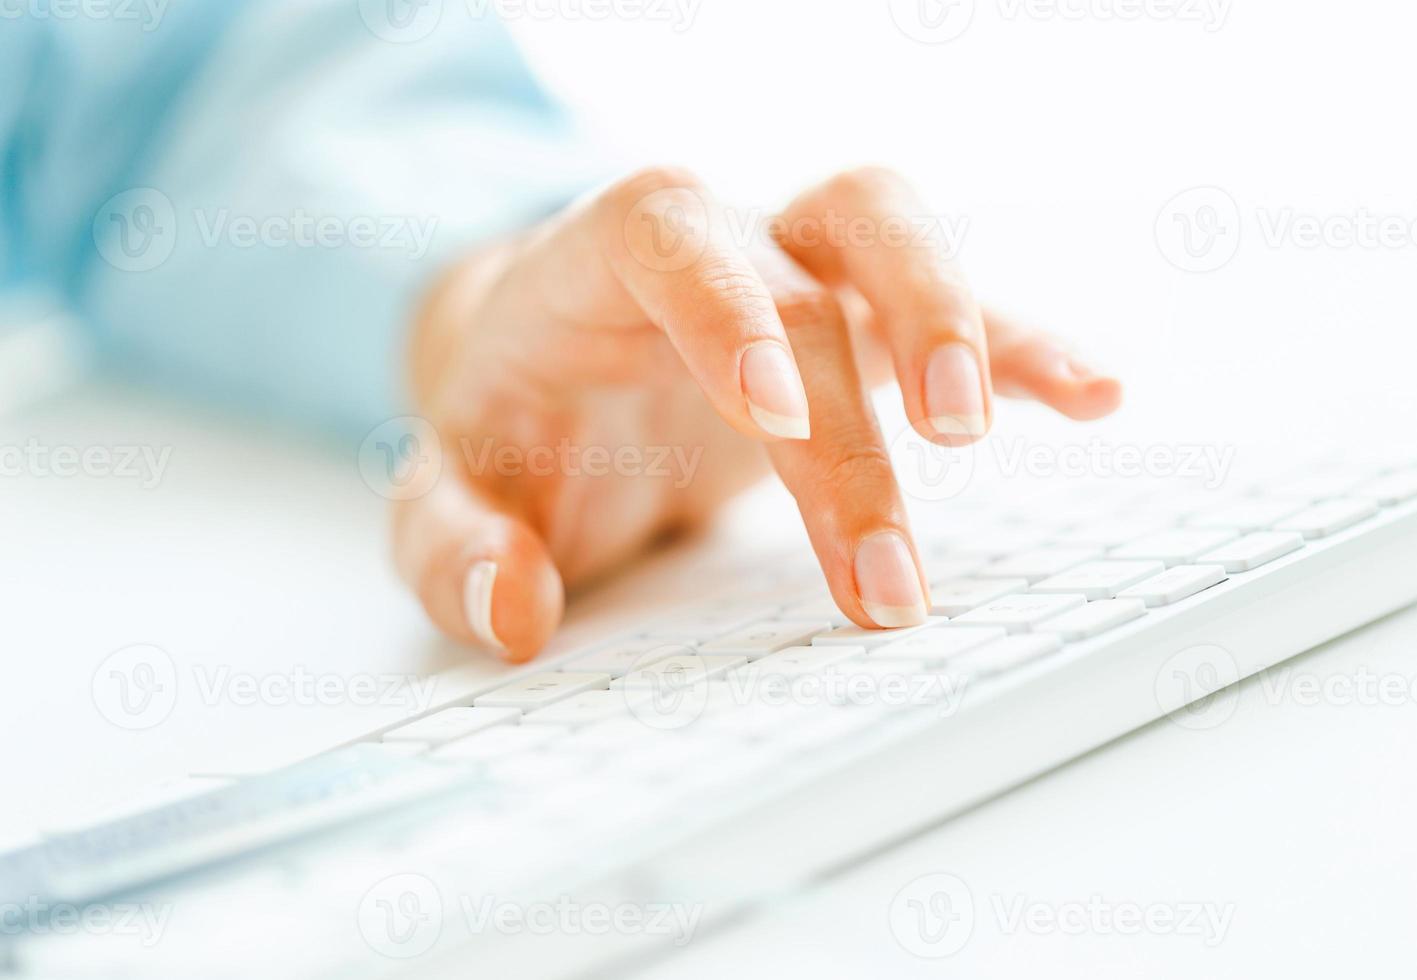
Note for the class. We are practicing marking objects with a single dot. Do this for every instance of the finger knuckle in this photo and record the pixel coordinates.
(867, 183)
(855, 471)
(669, 182)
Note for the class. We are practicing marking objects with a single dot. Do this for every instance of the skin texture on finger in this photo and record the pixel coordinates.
(667, 242)
(861, 228)
(1029, 364)
(842, 478)
(483, 576)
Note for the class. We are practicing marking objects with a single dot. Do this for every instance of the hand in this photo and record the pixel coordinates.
(633, 326)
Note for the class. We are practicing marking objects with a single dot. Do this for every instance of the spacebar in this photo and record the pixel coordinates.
(258, 812)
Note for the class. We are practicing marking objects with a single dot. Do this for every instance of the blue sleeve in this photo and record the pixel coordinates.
(244, 198)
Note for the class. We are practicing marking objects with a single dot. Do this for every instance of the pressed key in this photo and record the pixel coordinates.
(1175, 584)
(770, 636)
(1016, 613)
(539, 690)
(855, 636)
(451, 724)
(1094, 619)
(1255, 514)
(497, 743)
(1100, 579)
(1006, 654)
(1254, 550)
(955, 597)
(1179, 547)
(937, 645)
(618, 659)
(1038, 564)
(1330, 517)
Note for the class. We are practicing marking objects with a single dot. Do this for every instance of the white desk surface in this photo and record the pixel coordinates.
(257, 552)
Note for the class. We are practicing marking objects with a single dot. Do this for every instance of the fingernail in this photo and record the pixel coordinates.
(776, 398)
(888, 583)
(477, 602)
(954, 392)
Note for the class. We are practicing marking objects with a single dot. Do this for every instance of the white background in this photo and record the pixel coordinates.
(1061, 139)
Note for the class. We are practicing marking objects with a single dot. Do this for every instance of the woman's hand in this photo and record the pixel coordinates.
(624, 369)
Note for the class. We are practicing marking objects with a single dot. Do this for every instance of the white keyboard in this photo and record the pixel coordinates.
(665, 779)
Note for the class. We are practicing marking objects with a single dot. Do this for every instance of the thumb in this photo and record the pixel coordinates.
(484, 576)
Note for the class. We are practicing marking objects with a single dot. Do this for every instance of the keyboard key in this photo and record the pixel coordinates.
(452, 724)
(1006, 654)
(1320, 486)
(497, 743)
(1094, 619)
(1254, 514)
(1323, 520)
(770, 636)
(1175, 584)
(822, 609)
(1107, 533)
(948, 568)
(855, 636)
(540, 690)
(984, 545)
(1179, 547)
(1254, 550)
(1397, 488)
(679, 672)
(796, 661)
(619, 659)
(937, 645)
(1100, 579)
(1018, 612)
(693, 625)
(580, 710)
(955, 597)
(1038, 564)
